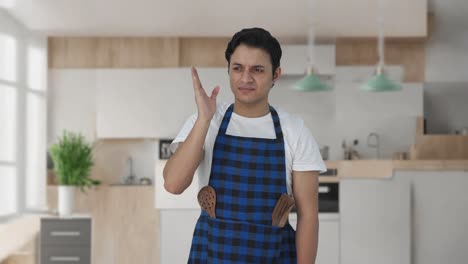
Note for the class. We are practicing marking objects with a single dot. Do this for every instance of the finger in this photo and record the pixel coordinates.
(215, 92)
(196, 79)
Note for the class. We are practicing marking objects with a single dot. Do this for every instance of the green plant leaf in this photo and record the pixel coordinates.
(73, 160)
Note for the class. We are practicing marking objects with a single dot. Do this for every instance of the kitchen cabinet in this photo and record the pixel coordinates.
(65, 240)
(328, 251)
(125, 225)
(150, 103)
(375, 221)
(177, 228)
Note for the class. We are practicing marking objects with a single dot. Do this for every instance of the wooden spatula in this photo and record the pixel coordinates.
(282, 209)
(207, 200)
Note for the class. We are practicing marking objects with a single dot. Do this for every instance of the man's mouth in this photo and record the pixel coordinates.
(246, 88)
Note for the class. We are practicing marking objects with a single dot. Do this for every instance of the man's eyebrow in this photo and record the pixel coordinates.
(253, 66)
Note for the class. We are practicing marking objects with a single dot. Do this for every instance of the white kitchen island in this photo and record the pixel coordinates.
(413, 216)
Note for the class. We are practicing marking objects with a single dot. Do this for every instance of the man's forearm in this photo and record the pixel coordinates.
(306, 239)
(180, 168)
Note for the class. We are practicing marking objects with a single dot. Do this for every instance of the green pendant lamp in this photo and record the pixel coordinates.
(311, 82)
(380, 82)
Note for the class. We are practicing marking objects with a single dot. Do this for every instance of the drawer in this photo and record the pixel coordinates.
(65, 232)
(65, 255)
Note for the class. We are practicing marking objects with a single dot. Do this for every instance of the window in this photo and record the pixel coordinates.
(23, 93)
(8, 126)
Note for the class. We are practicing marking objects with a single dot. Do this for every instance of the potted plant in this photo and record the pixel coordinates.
(73, 160)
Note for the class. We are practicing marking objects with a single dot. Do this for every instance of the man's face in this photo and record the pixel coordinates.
(250, 74)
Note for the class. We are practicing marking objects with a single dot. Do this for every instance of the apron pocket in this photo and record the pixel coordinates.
(242, 242)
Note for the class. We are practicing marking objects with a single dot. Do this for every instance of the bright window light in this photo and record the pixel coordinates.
(8, 204)
(8, 48)
(36, 68)
(8, 119)
(35, 151)
(8, 4)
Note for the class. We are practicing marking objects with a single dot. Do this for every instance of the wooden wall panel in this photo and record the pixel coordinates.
(410, 53)
(443, 147)
(155, 52)
(437, 147)
(203, 52)
(115, 52)
(72, 52)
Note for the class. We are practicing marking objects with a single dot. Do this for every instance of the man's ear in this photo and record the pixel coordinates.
(276, 76)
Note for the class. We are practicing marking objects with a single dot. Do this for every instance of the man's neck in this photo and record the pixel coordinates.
(251, 110)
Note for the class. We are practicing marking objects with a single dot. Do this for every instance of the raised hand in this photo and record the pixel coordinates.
(206, 105)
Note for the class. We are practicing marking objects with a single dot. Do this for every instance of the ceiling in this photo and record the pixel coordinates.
(334, 18)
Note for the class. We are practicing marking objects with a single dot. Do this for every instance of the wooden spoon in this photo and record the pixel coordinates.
(207, 200)
(282, 209)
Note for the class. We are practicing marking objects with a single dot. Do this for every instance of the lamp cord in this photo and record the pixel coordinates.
(381, 40)
(311, 35)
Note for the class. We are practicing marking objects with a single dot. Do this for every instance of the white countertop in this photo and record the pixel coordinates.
(322, 216)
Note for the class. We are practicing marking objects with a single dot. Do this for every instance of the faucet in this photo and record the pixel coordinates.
(374, 136)
(130, 179)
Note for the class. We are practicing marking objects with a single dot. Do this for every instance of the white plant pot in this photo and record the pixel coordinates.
(66, 200)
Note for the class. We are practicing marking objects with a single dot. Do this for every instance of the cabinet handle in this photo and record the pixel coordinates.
(324, 189)
(64, 258)
(65, 233)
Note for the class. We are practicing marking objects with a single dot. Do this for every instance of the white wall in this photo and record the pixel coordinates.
(346, 113)
(445, 106)
(446, 88)
(446, 52)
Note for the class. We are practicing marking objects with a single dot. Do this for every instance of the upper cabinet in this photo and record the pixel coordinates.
(150, 103)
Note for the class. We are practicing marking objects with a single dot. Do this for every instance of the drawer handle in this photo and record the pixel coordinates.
(65, 258)
(65, 233)
(324, 189)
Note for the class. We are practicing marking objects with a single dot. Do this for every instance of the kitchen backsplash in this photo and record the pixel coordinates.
(111, 160)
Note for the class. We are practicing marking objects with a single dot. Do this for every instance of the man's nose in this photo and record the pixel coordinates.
(246, 76)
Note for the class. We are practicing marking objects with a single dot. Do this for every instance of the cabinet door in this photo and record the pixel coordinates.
(328, 250)
(149, 103)
(375, 221)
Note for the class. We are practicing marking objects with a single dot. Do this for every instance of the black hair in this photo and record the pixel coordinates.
(257, 38)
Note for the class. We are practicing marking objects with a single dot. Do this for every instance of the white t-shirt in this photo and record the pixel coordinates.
(301, 150)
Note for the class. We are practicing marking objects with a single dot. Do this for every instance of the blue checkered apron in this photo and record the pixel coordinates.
(249, 176)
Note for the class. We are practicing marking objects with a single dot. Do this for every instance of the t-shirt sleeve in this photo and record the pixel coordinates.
(307, 154)
(183, 133)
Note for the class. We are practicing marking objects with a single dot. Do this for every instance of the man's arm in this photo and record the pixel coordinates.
(180, 168)
(305, 189)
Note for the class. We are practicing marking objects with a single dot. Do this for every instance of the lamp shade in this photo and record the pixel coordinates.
(380, 83)
(311, 83)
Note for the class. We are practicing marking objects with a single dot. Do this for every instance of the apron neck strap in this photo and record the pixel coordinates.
(274, 116)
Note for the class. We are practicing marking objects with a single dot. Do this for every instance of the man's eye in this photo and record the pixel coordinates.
(259, 69)
(236, 68)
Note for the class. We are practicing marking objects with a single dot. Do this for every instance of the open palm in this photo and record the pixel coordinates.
(206, 105)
